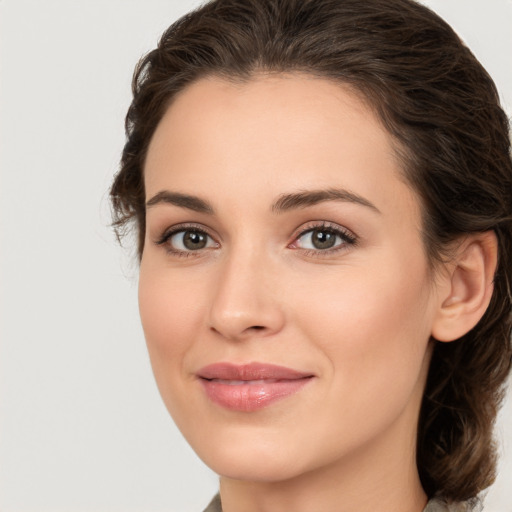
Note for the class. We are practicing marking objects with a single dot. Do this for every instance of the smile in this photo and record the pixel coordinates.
(248, 388)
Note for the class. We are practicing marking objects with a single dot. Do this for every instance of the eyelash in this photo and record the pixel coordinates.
(168, 234)
(348, 239)
(346, 236)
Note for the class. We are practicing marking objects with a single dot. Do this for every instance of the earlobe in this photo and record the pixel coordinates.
(467, 287)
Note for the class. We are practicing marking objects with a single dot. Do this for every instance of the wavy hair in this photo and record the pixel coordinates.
(443, 111)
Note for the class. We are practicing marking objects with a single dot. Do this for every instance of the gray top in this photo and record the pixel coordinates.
(432, 506)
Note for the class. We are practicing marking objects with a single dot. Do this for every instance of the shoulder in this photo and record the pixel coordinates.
(438, 505)
(214, 505)
(434, 505)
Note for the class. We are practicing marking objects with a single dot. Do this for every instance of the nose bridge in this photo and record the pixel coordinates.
(245, 301)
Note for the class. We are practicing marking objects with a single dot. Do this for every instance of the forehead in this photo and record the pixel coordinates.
(292, 105)
(271, 133)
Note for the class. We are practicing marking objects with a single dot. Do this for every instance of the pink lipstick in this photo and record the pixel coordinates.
(250, 387)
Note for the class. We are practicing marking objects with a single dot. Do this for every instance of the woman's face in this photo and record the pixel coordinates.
(284, 290)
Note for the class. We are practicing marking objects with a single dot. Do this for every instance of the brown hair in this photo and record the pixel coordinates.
(443, 110)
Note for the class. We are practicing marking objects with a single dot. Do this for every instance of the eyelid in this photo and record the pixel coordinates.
(348, 237)
(186, 226)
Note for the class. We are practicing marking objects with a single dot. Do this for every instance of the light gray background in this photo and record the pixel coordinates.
(82, 427)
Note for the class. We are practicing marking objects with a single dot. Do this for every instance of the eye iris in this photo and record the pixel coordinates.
(194, 240)
(323, 239)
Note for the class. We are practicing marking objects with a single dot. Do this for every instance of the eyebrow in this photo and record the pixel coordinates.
(284, 203)
(182, 200)
(311, 197)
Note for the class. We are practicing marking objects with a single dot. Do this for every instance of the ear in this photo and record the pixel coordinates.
(466, 286)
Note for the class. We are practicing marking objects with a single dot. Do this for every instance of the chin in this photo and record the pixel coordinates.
(253, 467)
(257, 455)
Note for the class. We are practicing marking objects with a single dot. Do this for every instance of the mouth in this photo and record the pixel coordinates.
(250, 387)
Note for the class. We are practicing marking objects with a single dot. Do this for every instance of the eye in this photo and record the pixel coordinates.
(324, 238)
(182, 241)
(189, 240)
(319, 239)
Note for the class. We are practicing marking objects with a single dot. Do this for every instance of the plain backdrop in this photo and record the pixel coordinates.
(82, 427)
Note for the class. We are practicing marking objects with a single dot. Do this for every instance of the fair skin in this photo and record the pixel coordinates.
(355, 314)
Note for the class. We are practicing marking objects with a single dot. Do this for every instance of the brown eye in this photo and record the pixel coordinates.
(190, 240)
(194, 240)
(319, 239)
(322, 239)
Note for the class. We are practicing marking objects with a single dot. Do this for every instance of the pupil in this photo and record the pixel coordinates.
(194, 240)
(323, 239)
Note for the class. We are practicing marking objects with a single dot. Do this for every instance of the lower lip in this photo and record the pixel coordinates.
(251, 395)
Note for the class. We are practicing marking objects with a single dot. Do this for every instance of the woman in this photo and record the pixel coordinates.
(322, 192)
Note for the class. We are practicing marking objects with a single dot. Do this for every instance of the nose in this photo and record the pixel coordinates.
(245, 302)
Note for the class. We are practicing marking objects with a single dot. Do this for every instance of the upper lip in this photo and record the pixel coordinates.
(251, 371)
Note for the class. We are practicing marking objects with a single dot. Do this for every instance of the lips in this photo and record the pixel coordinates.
(250, 387)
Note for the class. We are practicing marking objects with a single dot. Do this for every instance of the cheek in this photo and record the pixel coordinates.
(375, 346)
(360, 301)
(373, 327)
(170, 314)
